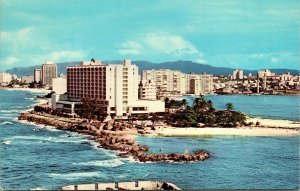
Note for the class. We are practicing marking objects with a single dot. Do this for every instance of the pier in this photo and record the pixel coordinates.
(137, 185)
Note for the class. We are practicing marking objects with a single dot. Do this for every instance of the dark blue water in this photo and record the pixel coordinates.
(265, 106)
(34, 157)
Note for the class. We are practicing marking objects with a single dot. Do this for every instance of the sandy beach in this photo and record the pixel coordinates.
(35, 90)
(268, 127)
(275, 123)
(243, 131)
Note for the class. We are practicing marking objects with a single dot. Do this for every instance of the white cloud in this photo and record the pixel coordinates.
(60, 56)
(16, 39)
(67, 55)
(162, 45)
(258, 55)
(130, 47)
(201, 61)
(274, 60)
(170, 44)
(9, 60)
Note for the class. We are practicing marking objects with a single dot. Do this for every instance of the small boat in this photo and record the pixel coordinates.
(137, 185)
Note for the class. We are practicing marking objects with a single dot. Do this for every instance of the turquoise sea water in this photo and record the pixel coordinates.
(35, 157)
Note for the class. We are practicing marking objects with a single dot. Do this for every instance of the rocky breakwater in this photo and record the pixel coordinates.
(113, 136)
(128, 147)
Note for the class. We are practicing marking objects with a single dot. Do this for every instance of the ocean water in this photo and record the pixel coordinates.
(34, 157)
(265, 106)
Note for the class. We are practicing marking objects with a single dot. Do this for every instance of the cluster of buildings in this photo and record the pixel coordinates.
(161, 83)
(42, 77)
(264, 82)
(5, 78)
(113, 87)
(45, 74)
(119, 90)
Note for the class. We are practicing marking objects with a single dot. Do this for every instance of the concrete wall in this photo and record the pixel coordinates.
(59, 85)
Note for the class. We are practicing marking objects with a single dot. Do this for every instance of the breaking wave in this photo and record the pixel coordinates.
(47, 139)
(9, 111)
(6, 142)
(6, 122)
(75, 175)
(103, 163)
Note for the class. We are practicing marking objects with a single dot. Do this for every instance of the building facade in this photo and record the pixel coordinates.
(114, 88)
(147, 90)
(5, 78)
(262, 73)
(166, 80)
(237, 74)
(27, 79)
(171, 83)
(37, 75)
(59, 85)
(49, 71)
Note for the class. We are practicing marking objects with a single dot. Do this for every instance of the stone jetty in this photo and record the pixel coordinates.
(111, 135)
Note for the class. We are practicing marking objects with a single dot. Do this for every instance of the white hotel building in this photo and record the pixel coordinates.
(114, 86)
(5, 78)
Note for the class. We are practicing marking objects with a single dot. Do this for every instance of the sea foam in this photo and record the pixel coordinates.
(103, 163)
(75, 175)
(6, 122)
(6, 142)
(47, 139)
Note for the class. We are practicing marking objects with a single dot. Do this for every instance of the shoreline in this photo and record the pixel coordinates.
(116, 136)
(267, 127)
(217, 131)
(35, 90)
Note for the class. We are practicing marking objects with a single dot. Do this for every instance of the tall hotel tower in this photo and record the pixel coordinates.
(37, 75)
(49, 71)
(114, 86)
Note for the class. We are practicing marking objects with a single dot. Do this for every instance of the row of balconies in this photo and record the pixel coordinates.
(87, 92)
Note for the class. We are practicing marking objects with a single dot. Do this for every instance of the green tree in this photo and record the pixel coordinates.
(167, 102)
(183, 102)
(229, 106)
(202, 105)
(209, 118)
(88, 108)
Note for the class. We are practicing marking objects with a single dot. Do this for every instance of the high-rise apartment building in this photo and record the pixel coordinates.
(113, 86)
(175, 82)
(5, 78)
(262, 73)
(237, 74)
(147, 90)
(49, 71)
(37, 75)
(166, 80)
(206, 81)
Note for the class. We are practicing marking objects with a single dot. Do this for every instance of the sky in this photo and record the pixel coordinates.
(246, 34)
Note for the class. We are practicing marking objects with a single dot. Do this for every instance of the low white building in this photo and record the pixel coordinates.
(27, 79)
(5, 78)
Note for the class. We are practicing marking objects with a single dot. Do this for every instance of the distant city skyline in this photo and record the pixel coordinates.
(252, 34)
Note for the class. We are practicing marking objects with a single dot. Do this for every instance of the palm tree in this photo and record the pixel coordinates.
(183, 102)
(229, 106)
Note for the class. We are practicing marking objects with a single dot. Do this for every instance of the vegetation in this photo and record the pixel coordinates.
(16, 82)
(203, 112)
(173, 104)
(229, 106)
(90, 110)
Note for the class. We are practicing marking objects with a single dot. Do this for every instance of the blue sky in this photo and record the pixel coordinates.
(248, 34)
